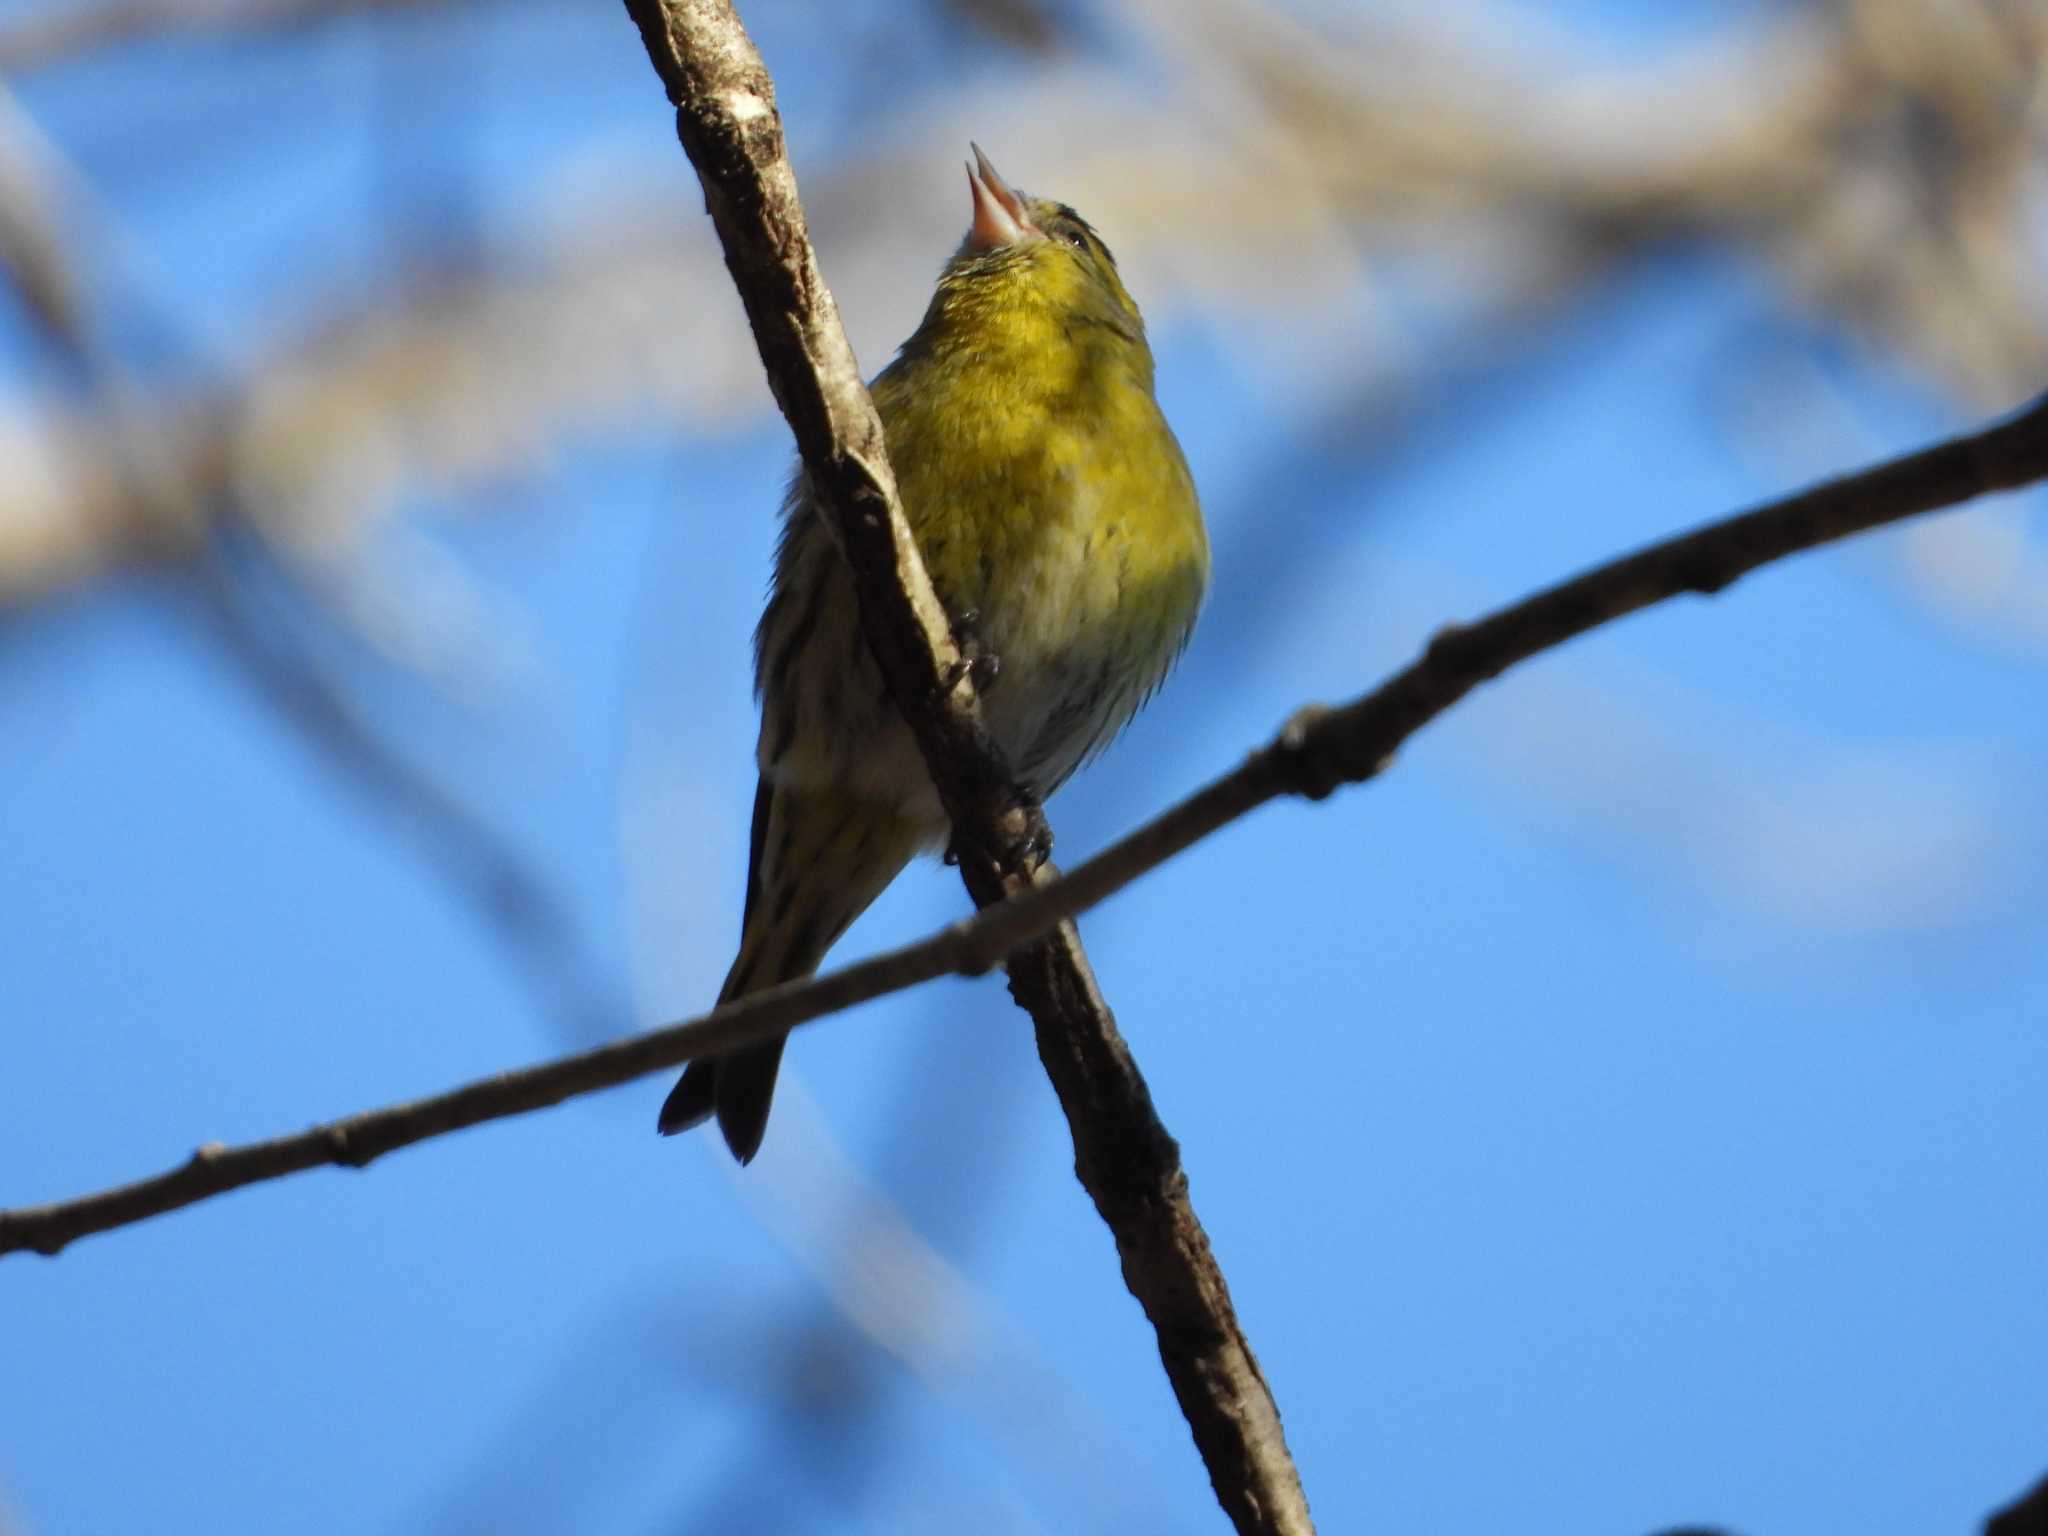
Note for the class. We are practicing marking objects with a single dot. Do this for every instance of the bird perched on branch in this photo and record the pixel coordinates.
(1058, 521)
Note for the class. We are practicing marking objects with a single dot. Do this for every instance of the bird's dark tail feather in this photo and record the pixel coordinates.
(814, 866)
(738, 1087)
(693, 1099)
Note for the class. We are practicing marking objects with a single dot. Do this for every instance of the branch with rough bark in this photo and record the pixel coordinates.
(1123, 1154)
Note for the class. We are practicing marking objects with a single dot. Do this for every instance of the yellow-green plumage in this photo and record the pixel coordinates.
(1056, 515)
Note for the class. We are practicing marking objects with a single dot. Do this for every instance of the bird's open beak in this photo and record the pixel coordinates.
(1000, 217)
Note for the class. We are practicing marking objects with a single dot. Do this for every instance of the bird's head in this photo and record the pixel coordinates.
(1028, 260)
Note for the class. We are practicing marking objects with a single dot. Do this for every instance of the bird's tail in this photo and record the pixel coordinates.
(818, 859)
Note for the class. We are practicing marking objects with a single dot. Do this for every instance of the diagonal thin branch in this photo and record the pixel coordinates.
(2025, 1516)
(1124, 1156)
(1317, 751)
(359, 1140)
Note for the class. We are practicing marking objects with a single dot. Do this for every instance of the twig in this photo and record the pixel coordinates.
(2025, 1516)
(1130, 1165)
(360, 1139)
(1316, 745)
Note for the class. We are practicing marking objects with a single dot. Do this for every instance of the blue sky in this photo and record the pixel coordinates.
(1622, 1114)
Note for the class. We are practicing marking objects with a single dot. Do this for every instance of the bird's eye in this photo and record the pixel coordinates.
(1075, 238)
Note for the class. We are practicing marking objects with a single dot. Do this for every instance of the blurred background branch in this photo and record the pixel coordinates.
(1878, 163)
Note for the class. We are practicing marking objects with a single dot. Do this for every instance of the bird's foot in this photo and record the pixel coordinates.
(1035, 846)
(976, 662)
(1026, 840)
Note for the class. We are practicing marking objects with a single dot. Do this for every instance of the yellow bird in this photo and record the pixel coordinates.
(1055, 512)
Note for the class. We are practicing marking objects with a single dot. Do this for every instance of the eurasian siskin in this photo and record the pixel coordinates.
(1059, 523)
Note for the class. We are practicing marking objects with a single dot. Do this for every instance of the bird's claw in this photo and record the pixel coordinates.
(1037, 847)
(1031, 844)
(975, 662)
(1022, 854)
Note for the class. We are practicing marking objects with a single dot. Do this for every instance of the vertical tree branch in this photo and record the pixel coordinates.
(1130, 1165)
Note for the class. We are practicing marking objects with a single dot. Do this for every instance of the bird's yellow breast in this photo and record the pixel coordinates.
(1050, 499)
(1051, 504)
(1036, 469)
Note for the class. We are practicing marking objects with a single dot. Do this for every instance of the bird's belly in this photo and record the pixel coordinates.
(1054, 696)
(1062, 596)
(1055, 629)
